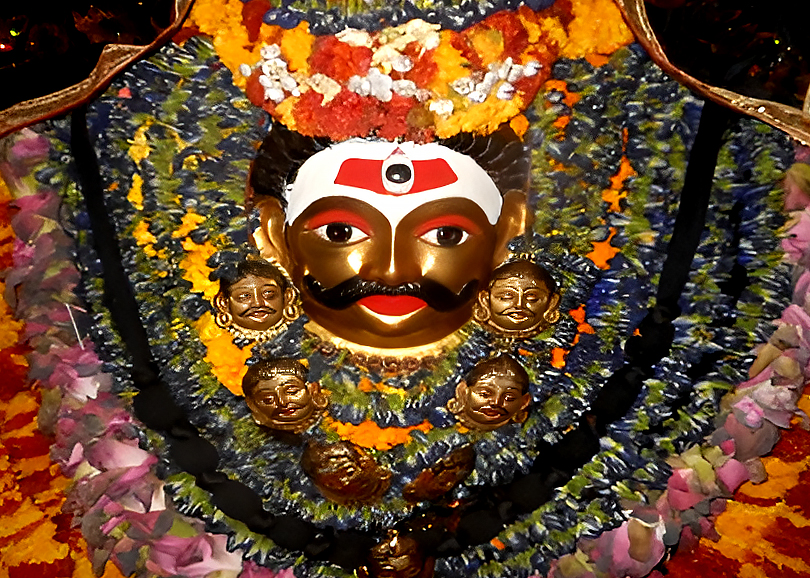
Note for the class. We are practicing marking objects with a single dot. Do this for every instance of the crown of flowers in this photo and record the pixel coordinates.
(414, 81)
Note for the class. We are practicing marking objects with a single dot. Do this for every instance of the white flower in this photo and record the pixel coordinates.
(354, 37)
(245, 70)
(463, 86)
(270, 51)
(505, 68)
(360, 85)
(443, 108)
(402, 63)
(381, 85)
(505, 91)
(532, 67)
(477, 96)
(515, 73)
(405, 87)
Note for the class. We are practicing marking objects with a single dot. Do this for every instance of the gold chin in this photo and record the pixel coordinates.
(434, 349)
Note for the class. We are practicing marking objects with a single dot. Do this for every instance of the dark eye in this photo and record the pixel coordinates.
(446, 236)
(340, 233)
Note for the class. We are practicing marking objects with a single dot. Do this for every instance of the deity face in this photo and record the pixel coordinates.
(255, 302)
(520, 301)
(390, 248)
(404, 287)
(344, 473)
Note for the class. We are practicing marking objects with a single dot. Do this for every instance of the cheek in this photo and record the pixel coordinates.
(329, 264)
(475, 401)
(454, 267)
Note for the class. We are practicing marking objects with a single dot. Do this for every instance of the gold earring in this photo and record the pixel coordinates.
(291, 312)
(224, 319)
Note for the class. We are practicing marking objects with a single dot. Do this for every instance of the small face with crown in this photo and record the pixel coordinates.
(390, 243)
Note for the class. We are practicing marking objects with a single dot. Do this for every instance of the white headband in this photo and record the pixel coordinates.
(383, 174)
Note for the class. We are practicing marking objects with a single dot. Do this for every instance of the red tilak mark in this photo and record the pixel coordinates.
(339, 216)
(448, 221)
(392, 305)
(367, 174)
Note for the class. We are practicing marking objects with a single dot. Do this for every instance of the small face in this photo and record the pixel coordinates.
(442, 477)
(518, 303)
(345, 473)
(256, 302)
(493, 401)
(281, 402)
(387, 285)
(399, 557)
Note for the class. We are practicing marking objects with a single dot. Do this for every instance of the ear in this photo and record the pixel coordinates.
(269, 238)
(319, 399)
(513, 222)
(481, 311)
(553, 302)
(525, 401)
(456, 404)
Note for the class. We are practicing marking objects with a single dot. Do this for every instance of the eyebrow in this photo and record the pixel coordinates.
(448, 221)
(335, 216)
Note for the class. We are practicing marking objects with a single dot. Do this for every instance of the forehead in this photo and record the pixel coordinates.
(276, 380)
(359, 169)
(522, 281)
(501, 382)
(251, 280)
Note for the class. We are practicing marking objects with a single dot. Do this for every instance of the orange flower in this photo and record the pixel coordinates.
(369, 435)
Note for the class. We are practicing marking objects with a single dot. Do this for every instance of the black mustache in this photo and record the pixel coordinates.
(348, 292)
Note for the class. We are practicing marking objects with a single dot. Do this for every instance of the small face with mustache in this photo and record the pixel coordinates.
(520, 302)
(255, 302)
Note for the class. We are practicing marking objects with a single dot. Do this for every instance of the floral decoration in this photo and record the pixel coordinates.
(413, 81)
(124, 511)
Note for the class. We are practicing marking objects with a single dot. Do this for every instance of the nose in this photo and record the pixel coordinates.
(393, 262)
(256, 299)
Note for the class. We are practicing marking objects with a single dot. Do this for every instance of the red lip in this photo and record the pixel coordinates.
(393, 305)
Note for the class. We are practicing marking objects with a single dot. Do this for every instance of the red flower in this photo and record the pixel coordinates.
(254, 90)
(515, 37)
(253, 13)
(424, 67)
(339, 60)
